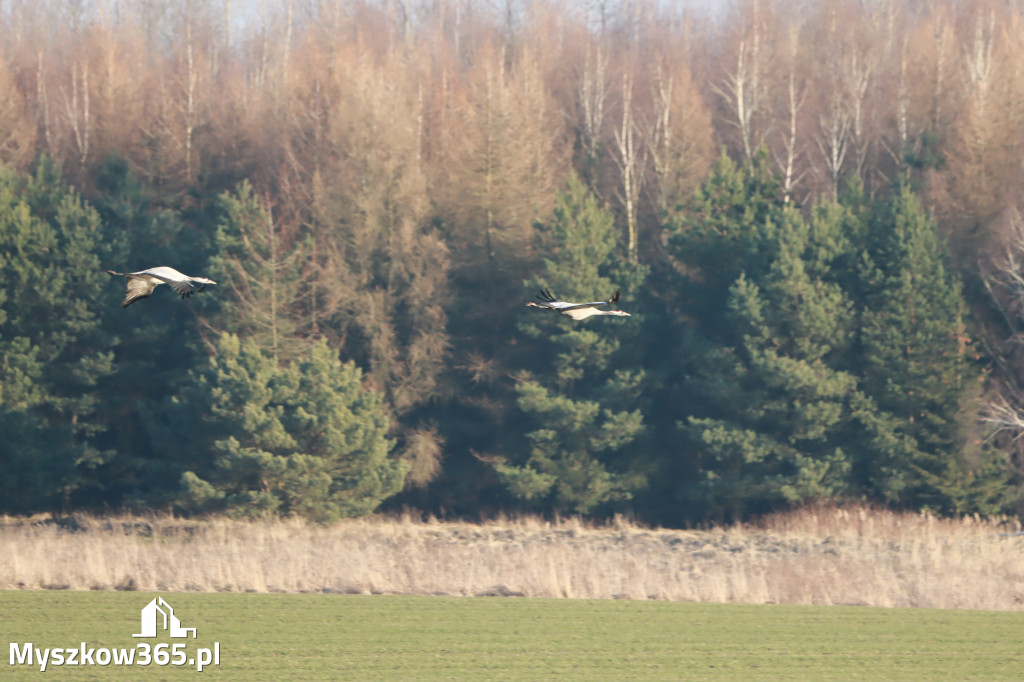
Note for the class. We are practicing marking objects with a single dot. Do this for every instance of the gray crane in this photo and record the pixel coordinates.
(141, 284)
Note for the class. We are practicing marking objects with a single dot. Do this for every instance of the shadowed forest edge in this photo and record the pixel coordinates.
(820, 252)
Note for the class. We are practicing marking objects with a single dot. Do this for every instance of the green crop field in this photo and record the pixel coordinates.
(285, 637)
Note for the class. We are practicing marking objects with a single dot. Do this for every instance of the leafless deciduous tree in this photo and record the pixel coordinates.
(981, 158)
(503, 172)
(77, 111)
(43, 100)
(259, 272)
(630, 159)
(17, 134)
(676, 132)
(385, 262)
(898, 148)
(1004, 280)
(591, 96)
(833, 138)
(789, 150)
(744, 86)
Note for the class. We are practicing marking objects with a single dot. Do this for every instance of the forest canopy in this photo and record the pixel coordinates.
(810, 209)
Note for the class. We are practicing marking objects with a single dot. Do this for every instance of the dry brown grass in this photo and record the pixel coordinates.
(814, 556)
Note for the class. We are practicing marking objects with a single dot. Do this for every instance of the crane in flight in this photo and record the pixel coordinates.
(141, 284)
(577, 311)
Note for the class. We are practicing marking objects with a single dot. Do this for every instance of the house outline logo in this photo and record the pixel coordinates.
(171, 623)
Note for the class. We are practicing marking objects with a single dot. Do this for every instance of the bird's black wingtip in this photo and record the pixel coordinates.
(615, 298)
(545, 295)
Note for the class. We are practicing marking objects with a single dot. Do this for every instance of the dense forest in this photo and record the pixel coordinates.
(810, 208)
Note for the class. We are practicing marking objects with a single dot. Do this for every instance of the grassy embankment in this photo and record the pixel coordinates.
(829, 556)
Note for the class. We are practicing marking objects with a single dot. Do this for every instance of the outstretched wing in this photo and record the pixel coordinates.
(183, 287)
(592, 304)
(547, 300)
(577, 311)
(545, 296)
(137, 288)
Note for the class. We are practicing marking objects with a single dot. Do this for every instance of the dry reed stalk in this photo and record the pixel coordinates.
(811, 556)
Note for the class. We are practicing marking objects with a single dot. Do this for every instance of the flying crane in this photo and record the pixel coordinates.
(577, 311)
(141, 284)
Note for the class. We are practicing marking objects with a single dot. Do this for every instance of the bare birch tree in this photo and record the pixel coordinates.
(592, 91)
(795, 95)
(843, 79)
(78, 113)
(860, 73)
(676, 133)
(899, 148)
(659, 133)
(631, 159)
(744, 87)
(833, 138)
(43, 105)
(189, 104)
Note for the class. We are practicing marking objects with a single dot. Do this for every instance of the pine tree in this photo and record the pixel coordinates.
(916, 357)
(303, 439)
(718, 232)
(768, 404)
(53, 352)
(580, 406)
(37, 461)
(155, 343)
